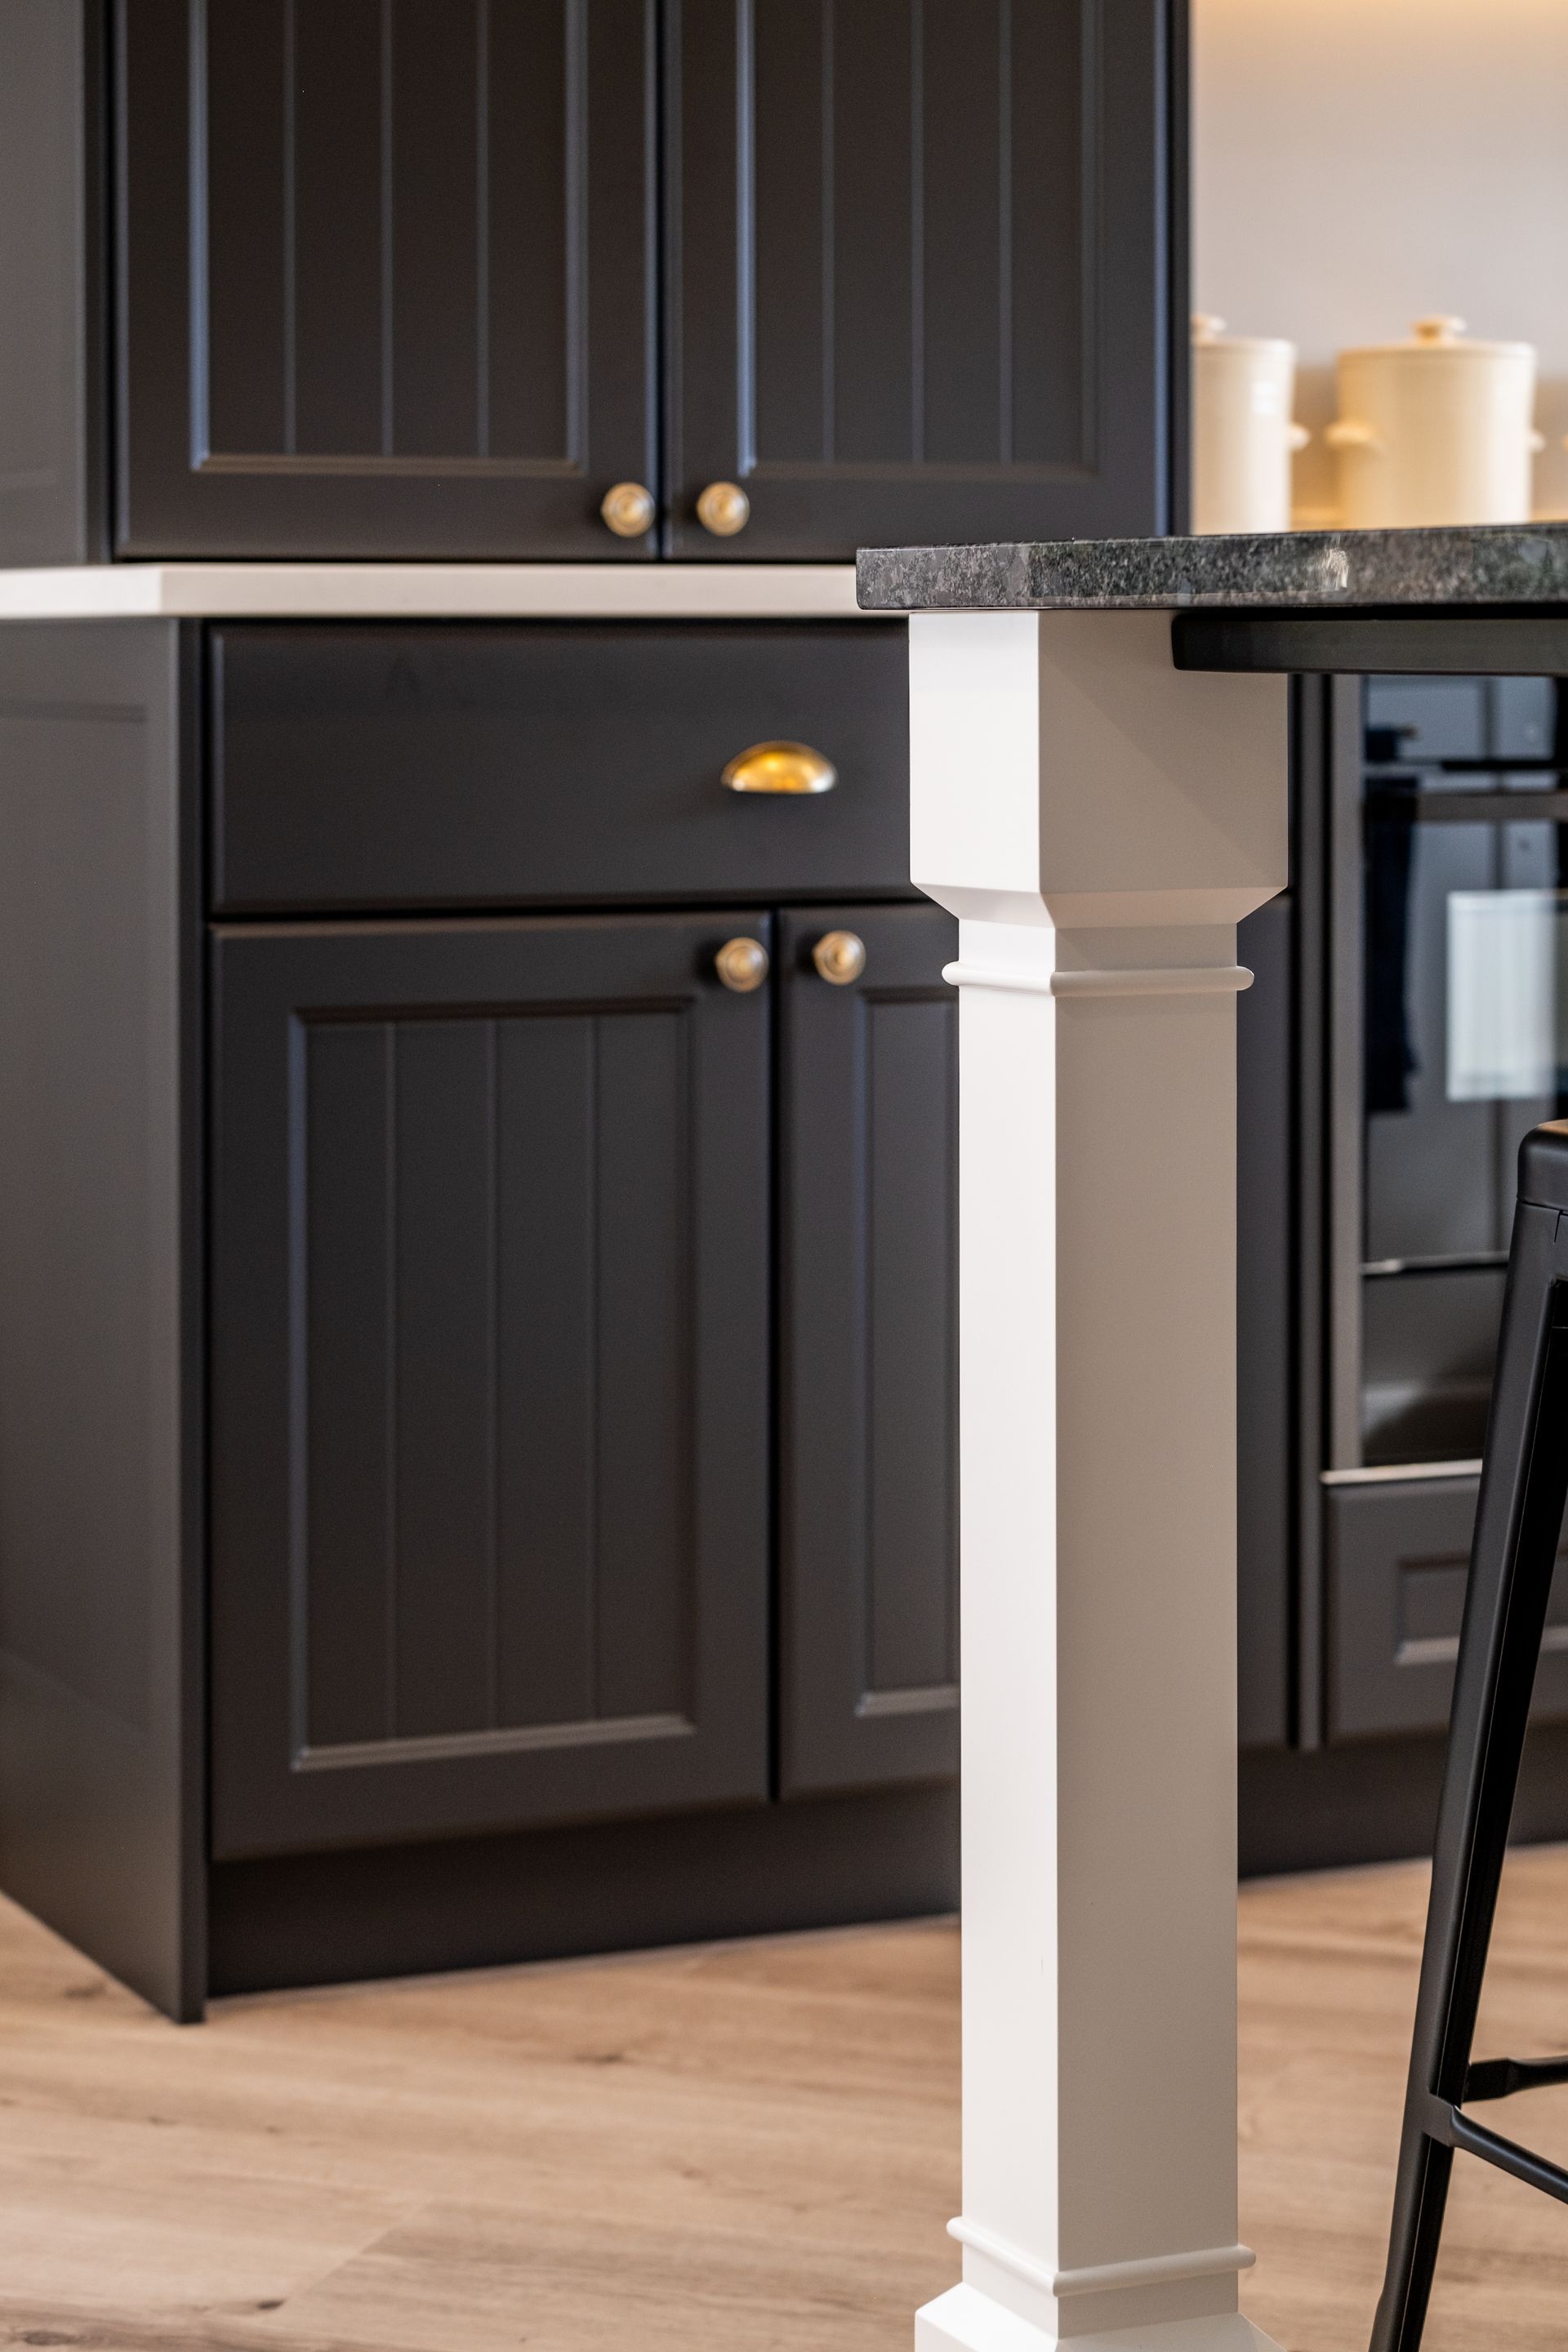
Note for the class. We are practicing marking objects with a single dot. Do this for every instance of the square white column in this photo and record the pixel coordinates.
(1099, 823)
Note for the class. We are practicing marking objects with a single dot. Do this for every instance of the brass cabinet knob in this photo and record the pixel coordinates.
(839, 956)
(742, 965)
(779, 768)
(628, 509)
(724, 509)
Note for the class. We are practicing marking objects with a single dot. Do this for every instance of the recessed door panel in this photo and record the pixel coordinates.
(490, 1446)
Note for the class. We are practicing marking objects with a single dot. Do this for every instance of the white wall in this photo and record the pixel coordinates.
(1358, 163)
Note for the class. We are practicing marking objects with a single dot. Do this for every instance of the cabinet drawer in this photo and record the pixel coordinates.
(551, 763)
(1399, 1558)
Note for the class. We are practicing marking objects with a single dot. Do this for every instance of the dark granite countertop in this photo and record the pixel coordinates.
(1486, 564)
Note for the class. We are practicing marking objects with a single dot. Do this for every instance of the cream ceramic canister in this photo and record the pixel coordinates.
(1435, 430)
(1243, 437)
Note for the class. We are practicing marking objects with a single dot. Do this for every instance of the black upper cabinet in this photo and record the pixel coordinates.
(425, 278)
(388, 276)
(921, 258)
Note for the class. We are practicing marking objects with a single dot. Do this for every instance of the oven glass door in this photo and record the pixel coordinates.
(1464, 1040)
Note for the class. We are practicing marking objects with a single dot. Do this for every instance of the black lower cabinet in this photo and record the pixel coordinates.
(477, 1391)
(103, 1699)
(476, 1385)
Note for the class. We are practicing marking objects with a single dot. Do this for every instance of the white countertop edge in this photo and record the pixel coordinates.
(610, 591)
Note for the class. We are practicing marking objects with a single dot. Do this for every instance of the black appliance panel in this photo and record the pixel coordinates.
(1464, 1033)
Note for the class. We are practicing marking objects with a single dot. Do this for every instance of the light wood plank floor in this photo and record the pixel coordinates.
(751, 2148)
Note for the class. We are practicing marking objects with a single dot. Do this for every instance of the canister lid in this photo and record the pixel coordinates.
(1209, 335)
(1442, 334)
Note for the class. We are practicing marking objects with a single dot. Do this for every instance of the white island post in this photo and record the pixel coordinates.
(1099, 823)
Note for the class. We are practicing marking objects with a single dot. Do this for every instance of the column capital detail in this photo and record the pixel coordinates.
(1062, 772)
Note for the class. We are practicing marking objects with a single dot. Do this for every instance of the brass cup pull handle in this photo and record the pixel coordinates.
(779, 768)
(628, 509)
(839, 958)
(724, 509)
(742, 965)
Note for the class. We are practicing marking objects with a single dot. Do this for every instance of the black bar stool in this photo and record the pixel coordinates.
(1518, 1524)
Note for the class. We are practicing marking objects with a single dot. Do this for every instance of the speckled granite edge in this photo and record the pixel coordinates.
(1522, 563)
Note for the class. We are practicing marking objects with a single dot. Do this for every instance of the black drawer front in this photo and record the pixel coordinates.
(550, 763)
(1398, 1561)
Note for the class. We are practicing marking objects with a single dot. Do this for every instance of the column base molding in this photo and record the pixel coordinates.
(966, 2320)
(1100, 2278)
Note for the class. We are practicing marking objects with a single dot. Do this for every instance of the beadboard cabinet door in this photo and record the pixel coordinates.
(387, 276)
(491, 1240)
(868, 1315)
(925, 260)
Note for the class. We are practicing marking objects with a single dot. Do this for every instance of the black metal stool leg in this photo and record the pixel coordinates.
(1519, 1522)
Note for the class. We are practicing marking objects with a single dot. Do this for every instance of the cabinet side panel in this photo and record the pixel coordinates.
(49, 280)
(99, 1763)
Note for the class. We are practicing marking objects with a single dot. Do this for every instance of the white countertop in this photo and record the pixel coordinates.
(448, 592)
